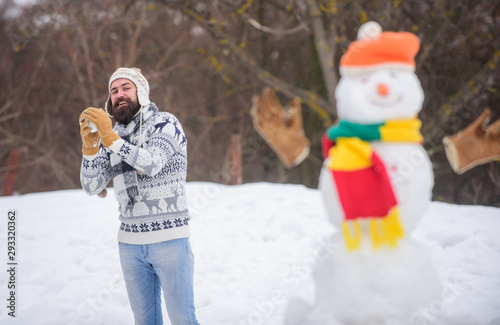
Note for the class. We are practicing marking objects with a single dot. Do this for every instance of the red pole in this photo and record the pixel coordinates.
(236, 178)
(12, 168)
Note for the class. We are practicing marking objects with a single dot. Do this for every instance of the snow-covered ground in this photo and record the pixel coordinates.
(255, 248)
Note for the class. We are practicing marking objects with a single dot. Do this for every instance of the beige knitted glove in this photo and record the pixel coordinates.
(103, 124)
(280, 127)
(90, 139)
(474, 145)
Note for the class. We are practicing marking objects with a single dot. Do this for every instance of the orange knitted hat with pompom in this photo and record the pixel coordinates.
(376, 49)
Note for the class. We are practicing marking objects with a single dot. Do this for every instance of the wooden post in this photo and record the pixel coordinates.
(236, 177)
(12, 168)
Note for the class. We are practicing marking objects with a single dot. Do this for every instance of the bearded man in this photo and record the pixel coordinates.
(145, 155)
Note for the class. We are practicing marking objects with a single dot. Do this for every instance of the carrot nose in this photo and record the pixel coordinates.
(382, 89)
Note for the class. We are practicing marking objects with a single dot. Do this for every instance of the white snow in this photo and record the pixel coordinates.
(255, 248)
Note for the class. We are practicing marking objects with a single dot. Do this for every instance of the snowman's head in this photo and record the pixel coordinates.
(378, 96)
(378, 81)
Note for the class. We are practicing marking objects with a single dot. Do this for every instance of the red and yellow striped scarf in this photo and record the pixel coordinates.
(363, 184)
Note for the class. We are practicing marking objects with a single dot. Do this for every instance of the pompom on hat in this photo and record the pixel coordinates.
(375, 49)
(140, 82)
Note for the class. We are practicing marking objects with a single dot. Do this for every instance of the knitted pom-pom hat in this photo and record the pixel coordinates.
(376, 49)
(140, 82)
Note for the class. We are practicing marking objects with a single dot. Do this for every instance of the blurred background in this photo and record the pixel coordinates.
(205, 60)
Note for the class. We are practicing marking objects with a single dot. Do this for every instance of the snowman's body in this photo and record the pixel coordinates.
(410, 171)
(369, 285)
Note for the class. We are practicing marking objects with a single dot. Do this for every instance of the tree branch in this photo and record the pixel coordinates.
(326, 51)
(452, 107)
(132, 46)
(279, 32)
(318, 104)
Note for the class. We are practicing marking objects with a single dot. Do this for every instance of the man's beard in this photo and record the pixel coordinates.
(125, 114)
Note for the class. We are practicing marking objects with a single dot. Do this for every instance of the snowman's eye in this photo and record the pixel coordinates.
(392, 74)
(364, 80)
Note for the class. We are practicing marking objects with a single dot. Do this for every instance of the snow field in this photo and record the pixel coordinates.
(255, 246)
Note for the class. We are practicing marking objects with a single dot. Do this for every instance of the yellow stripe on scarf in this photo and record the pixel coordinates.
(352, 241)
(402, 131)
(350, 154)
(386, 230)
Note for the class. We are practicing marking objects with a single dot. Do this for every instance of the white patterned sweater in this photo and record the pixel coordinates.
(159, 212)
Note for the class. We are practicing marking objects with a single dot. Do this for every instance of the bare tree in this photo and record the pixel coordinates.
(206, 59)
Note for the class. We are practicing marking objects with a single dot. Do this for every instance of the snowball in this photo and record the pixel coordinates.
(93, 127)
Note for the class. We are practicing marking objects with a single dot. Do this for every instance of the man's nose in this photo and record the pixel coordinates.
(120, 95)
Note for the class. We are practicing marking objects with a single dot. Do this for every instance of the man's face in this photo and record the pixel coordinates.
(124, 103)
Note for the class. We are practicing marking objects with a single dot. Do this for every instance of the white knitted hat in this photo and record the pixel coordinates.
(140, 82)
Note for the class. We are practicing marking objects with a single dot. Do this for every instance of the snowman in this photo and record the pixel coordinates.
(376, 184)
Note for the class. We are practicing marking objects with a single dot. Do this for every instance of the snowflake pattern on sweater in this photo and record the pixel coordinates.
(160, 211)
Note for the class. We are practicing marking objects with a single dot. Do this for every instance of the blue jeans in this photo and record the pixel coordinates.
(149, 268)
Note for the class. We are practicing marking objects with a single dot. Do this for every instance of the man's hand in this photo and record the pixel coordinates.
(280, 127)
(474, 145)
(103, 125)
(90, 140)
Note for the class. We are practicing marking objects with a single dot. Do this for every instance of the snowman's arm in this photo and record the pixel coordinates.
(280, 127)
(475, 145)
